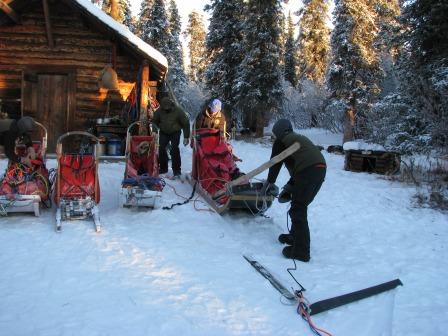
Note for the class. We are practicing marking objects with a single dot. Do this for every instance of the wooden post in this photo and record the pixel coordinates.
(144, 85)
(9, 11)
(48, 24)
(245, 178)
(114, 56)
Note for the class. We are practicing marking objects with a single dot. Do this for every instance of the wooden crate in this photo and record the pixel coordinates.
(379, 162)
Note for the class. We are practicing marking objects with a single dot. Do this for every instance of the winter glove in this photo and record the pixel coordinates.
(265, 188)
(286, 194)
(186, 141)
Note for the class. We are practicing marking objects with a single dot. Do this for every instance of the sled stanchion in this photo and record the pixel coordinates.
(58, 220)
(96, 218)
(245, 178)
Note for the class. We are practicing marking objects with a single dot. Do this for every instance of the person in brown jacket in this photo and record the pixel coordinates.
(212, 117)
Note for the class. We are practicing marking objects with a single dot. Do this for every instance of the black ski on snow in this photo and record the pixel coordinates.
(273, 280)
(327, 304)
(337, 301)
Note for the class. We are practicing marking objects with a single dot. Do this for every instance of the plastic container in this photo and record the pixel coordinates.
(114, 147)
(102, 146)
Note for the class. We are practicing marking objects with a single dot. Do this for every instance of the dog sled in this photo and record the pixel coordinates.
(141, 186)
(77, 189)
(25, 184)
(214, 172)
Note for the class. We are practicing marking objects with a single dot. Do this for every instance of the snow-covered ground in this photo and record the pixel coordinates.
(182, 272)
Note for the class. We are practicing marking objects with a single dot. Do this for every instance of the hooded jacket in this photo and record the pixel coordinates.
(306, 156)
(172, 119)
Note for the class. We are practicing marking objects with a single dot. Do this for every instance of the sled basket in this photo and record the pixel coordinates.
(214, 166)
(23, 187)
(77, 190)
(141, 186)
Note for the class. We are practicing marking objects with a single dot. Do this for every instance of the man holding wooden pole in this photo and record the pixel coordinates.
(307, 169)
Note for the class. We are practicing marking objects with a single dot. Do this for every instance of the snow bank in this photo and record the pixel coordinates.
(362, 145)
(164, 272)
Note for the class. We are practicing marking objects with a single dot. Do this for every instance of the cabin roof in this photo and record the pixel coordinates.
(109, 26)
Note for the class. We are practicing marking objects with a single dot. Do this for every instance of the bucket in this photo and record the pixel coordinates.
(114, 147)
(102, 146)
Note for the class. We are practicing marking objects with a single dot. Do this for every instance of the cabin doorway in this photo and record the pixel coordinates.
(48, 96)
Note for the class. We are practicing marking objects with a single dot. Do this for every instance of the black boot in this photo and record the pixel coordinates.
(286, 238)
(288, 252)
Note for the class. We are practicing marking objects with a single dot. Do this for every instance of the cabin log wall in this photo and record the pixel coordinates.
(77, 46)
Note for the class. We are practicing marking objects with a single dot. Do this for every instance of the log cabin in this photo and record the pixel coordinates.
(52, 56)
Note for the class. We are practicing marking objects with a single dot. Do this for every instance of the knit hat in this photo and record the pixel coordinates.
(25, 125)
(281, 128)
(166, 103)
(215, 106)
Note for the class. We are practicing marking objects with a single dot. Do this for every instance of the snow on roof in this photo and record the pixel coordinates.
(124, 32)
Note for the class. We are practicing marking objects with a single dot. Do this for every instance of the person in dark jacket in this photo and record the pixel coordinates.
(307, 169)
(171, 119)
(13, 132)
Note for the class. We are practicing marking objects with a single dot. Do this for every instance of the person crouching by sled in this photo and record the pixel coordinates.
(307, 169)
(171, 120)
(15, 136)
(212, 117)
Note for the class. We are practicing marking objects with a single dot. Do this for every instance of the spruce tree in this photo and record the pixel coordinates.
(354, 71)
(313, 41)
(176, 73)
(424, 63)
(154, 29)
(224, 50)
(144, 19)
(124, 12)
(290, 53)
(196, 34)
(259, 92)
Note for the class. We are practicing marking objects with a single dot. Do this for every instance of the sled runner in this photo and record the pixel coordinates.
(77, 191)
(141, 186)
(213, 170)
(26, 185)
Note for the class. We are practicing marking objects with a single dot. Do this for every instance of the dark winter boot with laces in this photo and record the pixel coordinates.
(288, 252)
(286, 238)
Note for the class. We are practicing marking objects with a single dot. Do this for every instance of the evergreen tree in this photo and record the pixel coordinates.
(154, 29)
(223, 43)
(424, 63)
(313, 41)
(124, 12)
(290, 54)
(196, 45)
(176, 73)
(144, 19)
(354, 72)
(283, 24)
(259, 92)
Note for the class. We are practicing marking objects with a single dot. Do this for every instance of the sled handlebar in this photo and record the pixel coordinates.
(44, 139)
(69, 134)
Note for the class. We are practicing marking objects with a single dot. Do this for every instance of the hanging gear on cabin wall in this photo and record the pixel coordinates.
(108, 78)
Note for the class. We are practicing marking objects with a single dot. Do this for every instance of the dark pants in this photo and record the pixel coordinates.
(307, 184)
(164, 140)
